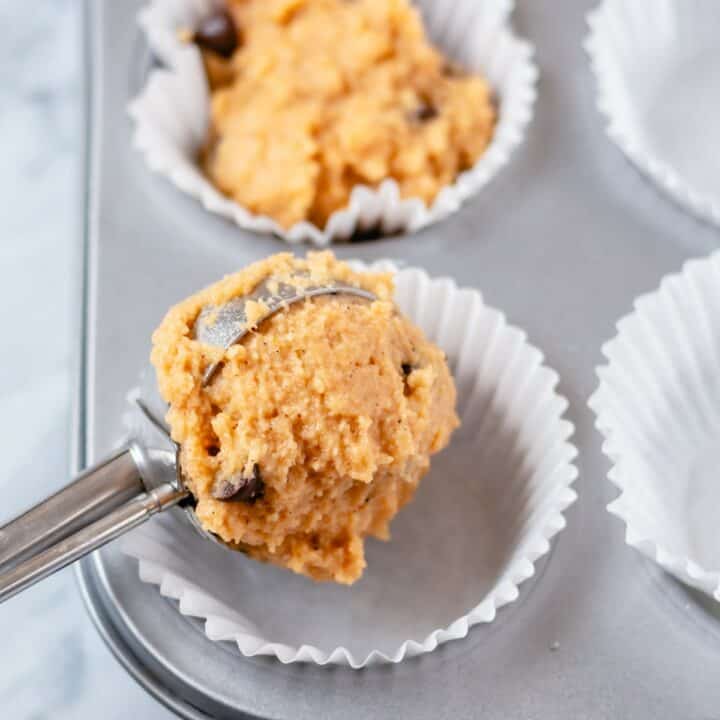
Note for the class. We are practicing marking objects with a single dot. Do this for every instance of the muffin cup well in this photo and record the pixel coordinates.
(656, 71)
(481, 517)
(658, 407)
(171, 117)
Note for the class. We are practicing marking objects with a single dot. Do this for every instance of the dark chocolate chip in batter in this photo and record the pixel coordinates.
(218, 34)
(239, 488)
(451, 69)
(423, 113)
(407, 368)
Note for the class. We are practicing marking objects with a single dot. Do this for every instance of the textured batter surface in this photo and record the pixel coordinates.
(322, 95)
(333, 405)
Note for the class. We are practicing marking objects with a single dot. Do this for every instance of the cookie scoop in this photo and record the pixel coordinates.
(135, 482)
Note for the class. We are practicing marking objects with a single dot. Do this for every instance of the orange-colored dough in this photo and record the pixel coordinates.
(322, 95)
(337, 402)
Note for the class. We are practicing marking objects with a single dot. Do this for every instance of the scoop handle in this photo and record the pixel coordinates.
(111, 482)
(91, 537)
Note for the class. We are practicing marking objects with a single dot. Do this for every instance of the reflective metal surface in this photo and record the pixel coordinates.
(92, 494)
(226, 325)
(562, 240)
(90, 537)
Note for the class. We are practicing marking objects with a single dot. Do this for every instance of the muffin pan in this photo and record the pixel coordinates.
(562, 240)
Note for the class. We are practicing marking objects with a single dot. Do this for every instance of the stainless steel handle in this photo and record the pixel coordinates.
(88, 539)
(111, 482)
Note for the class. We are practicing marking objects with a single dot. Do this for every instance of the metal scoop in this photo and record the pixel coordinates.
(135, 482)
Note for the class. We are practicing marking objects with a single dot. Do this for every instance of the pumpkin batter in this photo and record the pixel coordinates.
(317, 427)
(322, 95)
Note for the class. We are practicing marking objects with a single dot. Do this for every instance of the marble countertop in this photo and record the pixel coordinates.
(53, 664)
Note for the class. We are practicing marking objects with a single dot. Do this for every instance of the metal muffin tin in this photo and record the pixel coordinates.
(562, 241)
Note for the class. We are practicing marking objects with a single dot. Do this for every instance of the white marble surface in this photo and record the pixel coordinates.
(52, 662)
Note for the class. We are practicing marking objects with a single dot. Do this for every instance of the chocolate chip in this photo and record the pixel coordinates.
(494, 100)
(407, 368)
(213, 450)
(423, 113)
(239, 488)
(218, 34)
(451, 69)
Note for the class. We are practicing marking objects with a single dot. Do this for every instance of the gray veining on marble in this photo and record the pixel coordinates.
(53, 664)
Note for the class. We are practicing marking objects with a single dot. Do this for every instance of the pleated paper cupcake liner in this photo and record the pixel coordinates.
(481, 518)
(171, 117)
(656, 70)
(658, 407)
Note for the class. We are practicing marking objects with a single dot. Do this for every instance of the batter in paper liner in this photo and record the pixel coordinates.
(324, 95)
(325, 417)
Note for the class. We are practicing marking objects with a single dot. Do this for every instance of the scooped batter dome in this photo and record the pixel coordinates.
(319, 96)
(317, 427)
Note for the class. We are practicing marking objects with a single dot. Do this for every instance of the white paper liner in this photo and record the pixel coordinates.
(172, 112)
(481, 518)
(658, 407)
(657, 84)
